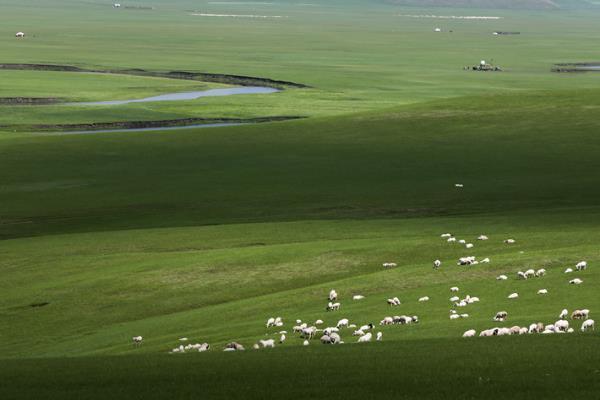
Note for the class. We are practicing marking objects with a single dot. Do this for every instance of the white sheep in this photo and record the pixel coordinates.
(454, 299)
(454, 289)
(454, 316)
(305, 343)
(563, 314)
(470, 333)
(282, 338)
(387, 321)
(456, 185)
(445, 235)
(513, 296)
(267, 343)
(576, 281)
(367, 327)
(333, 295)
(587, 325)
(485, 261)
(424, 298)
(501, 316)
(343, 322)
(462, 241)
(389, 265)
(137, 340)
(530, 273)
(561, 325)
(542, 291)
(319, 322)
(358, 332)
(333, 306)
(469, 245)
(365, 338)
(437, 264)
(521, 275)
(358, 297)
(580, 266)
(379, 336)
(482, 237)
(568, 270)
(393, 302)
(270, 322)
(540, 272)
(510, 241)
(451, 240)
(501, 277)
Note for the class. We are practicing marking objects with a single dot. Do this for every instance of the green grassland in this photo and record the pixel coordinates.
(206, 233)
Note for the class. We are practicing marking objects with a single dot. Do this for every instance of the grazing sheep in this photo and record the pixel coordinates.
(389, 265)
(358, 297)
(587, 325)
(461, 303)
(523, 331)
(387, 321)
(379, 336)
(454, 289)
(358, 333)
(234, 346)
(270, 322)
(278, 322)
(333, 295)
(540, 272)
(561, 325)
(137, 340)
(305, 343)
(454, 299)
(352, 326)
(437, 264)
(485, 261)
(333, 306)
(510, 241)
(424, 298)
(343, 322)
(326, 339)
(568, 270)
(563, 314)
(445, 235)
(308, 333)
(473, 299)
(487, 333)
(456, 185)
(521, 275)
(513, 295)
(470, 333)
(482, 237)
(365, 338)
(462, 241)
(515, 330)
(298, 328)
(464, 315)
(542, 291)
(454, 316)
(530, 273)
(282, 338)
(469, 245)
(328, 331)
(501, 316)
(267, 343)
(585, 313)
(451, 240)
(335, 338)
(319, 322)
(367, 327)
(393, 302)
(576, 281)
(533, 328)
(501, 277)
(581, 265)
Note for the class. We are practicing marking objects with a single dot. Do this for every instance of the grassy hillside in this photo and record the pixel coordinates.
(206, 233)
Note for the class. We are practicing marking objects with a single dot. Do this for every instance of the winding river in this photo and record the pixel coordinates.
(184, 96)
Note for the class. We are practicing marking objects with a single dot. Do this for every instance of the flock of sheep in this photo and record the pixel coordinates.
(363, 333)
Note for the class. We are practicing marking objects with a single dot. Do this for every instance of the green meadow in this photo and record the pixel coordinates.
(205, 233)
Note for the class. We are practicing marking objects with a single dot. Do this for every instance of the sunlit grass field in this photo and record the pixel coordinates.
(206, 233)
